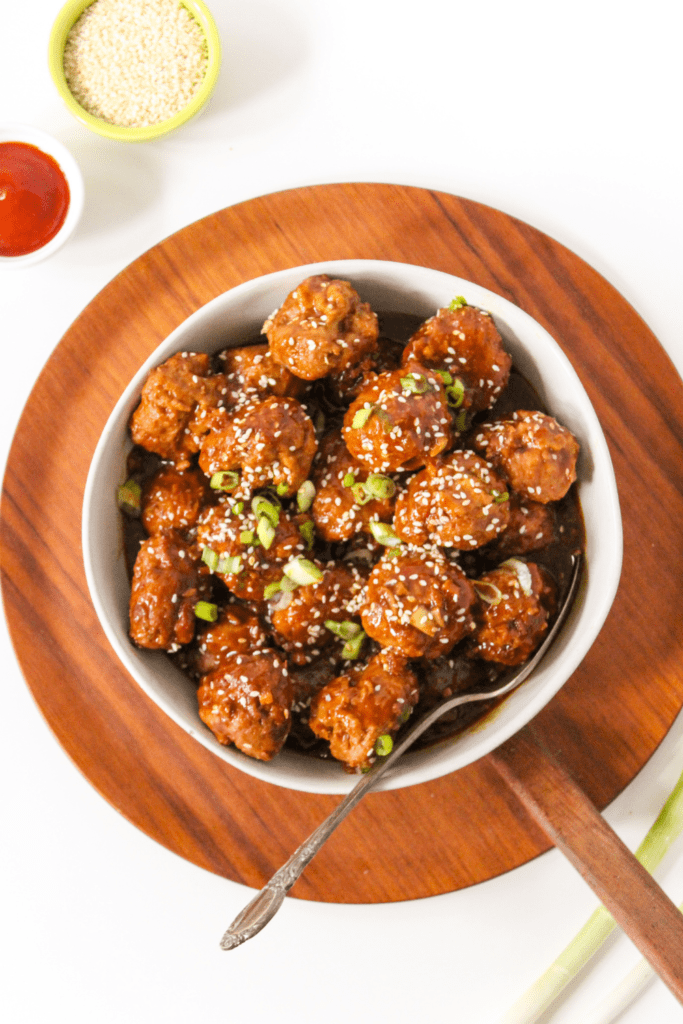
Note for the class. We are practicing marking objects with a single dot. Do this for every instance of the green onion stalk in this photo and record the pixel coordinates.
(600, 924)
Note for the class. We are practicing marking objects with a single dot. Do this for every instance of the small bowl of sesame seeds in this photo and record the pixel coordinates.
(235, 319)
(134, 70)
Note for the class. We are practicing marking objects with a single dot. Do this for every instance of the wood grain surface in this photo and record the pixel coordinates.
(429, 839)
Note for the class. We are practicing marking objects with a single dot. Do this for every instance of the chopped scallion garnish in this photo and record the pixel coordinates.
(307, 531)
(346, 630)
(210, 558)
(303, 572)
(282, 489)
(499, 497)
(271, 590)
(417, 383)
(128, 496)
(260, 506)
(305, 495)
(384, 534)
(229, 565)
(461, 421)
(455, 393)
(523, 573)
(488, 592)
(238, 508)
(379, 486)
(349, 480)
(384, 745)
(207, 611)
(226, 480)
(361, 417)
(265, 531)
(351, 648)
(247, 537)
(457, 303)
(360, 494)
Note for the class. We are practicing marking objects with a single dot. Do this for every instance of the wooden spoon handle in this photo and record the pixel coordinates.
(622, 884)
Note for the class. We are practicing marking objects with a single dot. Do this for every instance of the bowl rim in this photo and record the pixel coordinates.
(62, 25)
(521, 706)
(15, 131)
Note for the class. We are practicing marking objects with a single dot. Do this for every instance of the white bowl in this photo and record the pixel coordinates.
(236, 316)
(71, 171)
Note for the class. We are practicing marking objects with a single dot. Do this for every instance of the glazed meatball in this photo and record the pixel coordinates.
(531, 527)
(165, 588)
(299, 617)
(231, 535)
(178, 401)
(456, 501)
(465, 342)
(536, 454)
(248, 701)
(270, 442)
(342, 507)
(321, 328)
(399, 421)
(251, 374)
(172, 500)
(369, 701)
(511, 614)
(418, 603)
(237, 630)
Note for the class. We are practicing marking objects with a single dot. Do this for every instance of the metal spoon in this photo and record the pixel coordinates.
(268, 901)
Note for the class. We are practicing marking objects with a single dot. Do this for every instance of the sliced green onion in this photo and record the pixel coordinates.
(457, 303)
(288, 585)
(523, 573)
(307, 531)
(384, 534)
(229, 565)
(385, 419)
(445, 376)
(415, 382)
(488, 592)
(128, 496)
(210, 558)
(238, 508)
(260, 506)
(305, 495)
(226, 480)
(247, 537)
(361, 417)
(499, 497)
(351, 648)
(303, 572)
(461, 421)
(346, 629)
(349, 480)
(319, 423)
(360, 494)
(207, 611)
(384, 745)
(282, 489)
(405, 714)
(271, 590)
(265, 531)
(394, 552)
(379, 486)
(585, 944)
(456, 393)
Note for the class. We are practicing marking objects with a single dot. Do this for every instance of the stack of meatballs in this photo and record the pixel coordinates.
(313, 509)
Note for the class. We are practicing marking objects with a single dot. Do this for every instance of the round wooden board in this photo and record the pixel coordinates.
(430, 839)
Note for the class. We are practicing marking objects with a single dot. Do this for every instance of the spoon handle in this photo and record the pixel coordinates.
(567, 816)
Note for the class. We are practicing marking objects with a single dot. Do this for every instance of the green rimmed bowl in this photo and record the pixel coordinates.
(66, 19)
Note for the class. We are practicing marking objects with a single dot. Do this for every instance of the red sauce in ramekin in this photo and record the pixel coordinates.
(34, 198)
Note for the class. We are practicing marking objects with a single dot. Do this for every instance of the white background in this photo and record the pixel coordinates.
(567, 116)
